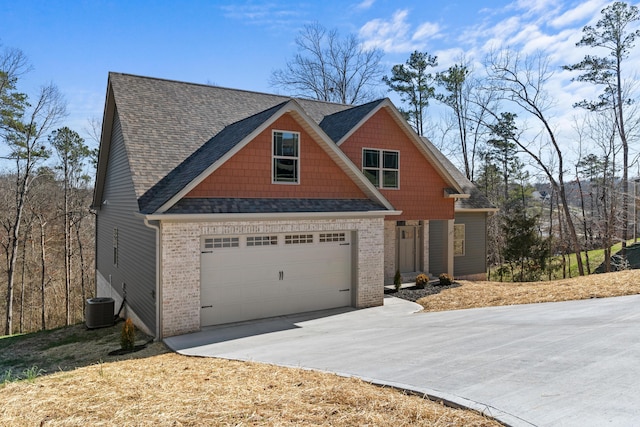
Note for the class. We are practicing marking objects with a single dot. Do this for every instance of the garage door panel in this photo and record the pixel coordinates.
(243, 283)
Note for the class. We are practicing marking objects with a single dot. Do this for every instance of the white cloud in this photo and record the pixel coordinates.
(365, 4)
(263, 14)
(426, 30)
(582, 12)
(396, 34)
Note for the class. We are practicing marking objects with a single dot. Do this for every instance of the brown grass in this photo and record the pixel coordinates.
(175, 390)
(486, 294)
(156, 388)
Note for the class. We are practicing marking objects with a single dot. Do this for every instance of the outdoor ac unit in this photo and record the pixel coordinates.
(99, 312)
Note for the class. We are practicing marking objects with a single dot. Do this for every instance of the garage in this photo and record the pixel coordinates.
(248, 277)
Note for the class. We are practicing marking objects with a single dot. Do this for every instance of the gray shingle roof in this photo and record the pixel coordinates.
(173, 131)
(233, 205)
(199, 161)
(164, 121)
(337, 125)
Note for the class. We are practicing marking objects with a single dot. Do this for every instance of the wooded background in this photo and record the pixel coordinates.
(561, 188)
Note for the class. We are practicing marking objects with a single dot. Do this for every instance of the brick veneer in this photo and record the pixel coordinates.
(180, 279)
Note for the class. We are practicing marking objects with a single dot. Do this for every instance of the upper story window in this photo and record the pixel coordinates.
(286, 157)
(381, 167)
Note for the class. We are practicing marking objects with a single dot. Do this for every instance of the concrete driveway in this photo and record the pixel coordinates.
(571, 363)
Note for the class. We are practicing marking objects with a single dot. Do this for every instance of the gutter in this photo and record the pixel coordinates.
(158, 298)
(263, 216)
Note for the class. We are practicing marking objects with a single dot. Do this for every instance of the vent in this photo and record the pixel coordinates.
(99, 312)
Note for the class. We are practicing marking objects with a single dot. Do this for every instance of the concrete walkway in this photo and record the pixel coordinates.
(571, 363)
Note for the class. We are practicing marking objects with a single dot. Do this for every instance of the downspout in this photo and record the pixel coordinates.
(156, 227)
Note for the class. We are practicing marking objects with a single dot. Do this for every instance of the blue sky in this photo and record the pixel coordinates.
(237, 44)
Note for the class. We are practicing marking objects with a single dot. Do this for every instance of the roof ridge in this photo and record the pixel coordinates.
(255, 92)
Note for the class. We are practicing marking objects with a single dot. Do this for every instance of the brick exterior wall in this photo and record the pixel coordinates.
(421, 193)
(248, 173)
(180, 278)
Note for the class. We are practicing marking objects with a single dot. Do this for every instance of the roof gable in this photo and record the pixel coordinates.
(202, 159)
(178, 183)
(339, 124)
(175, 133)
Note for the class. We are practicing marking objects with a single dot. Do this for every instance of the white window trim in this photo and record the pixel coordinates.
(464, 239)
(273, 157)
(381, 168)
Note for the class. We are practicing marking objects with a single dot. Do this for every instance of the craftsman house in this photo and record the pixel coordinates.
(217, 205)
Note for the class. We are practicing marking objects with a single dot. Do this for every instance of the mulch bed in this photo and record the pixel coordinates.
(413, 294)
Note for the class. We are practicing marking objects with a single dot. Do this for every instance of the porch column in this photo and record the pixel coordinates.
(425, 246)
(450, 247)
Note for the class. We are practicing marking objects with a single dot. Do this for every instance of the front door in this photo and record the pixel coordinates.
(407, 249)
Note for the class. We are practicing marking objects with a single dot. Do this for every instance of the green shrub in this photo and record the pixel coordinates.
(421, 281)
(128, 335)
(397, 280)
(445, 279)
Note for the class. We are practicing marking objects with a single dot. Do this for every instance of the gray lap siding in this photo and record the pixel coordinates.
(437, 247)
(136, 264)
(474, 261)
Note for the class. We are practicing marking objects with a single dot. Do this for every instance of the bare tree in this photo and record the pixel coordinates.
(521, 81)
(613, 35)
(72, 153)
(470, 104)
(24, 139)
(330, 68)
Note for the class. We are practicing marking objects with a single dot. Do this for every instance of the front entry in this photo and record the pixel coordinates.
(408, 238)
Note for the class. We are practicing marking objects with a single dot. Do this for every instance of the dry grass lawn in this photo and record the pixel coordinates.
(486, 294)
(175, 390)
(84, 386)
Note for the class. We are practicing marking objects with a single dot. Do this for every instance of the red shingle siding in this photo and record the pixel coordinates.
(421, 192)
(248, 173)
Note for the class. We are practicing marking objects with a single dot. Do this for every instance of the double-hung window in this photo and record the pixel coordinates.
(286, 157)
(458, 239)
(381, 167)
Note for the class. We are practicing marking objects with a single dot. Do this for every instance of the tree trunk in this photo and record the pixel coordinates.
(43, 276)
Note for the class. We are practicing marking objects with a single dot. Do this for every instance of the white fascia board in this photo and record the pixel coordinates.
(456, 195)
(470, 210)
(213, 217)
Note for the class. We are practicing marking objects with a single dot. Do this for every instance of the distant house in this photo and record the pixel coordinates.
(217, 205)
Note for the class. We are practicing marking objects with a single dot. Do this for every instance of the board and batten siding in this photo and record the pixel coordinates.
(136, 242)
(474, 261)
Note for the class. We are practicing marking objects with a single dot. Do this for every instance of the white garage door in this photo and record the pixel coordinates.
(257, 276)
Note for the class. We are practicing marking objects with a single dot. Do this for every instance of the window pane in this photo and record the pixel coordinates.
(458, 247)
(373, 176)
(285, 170)
(390, 160)
(390, 179)
(458, 231)
(285, 144)
(277, 143)
(370, 158)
